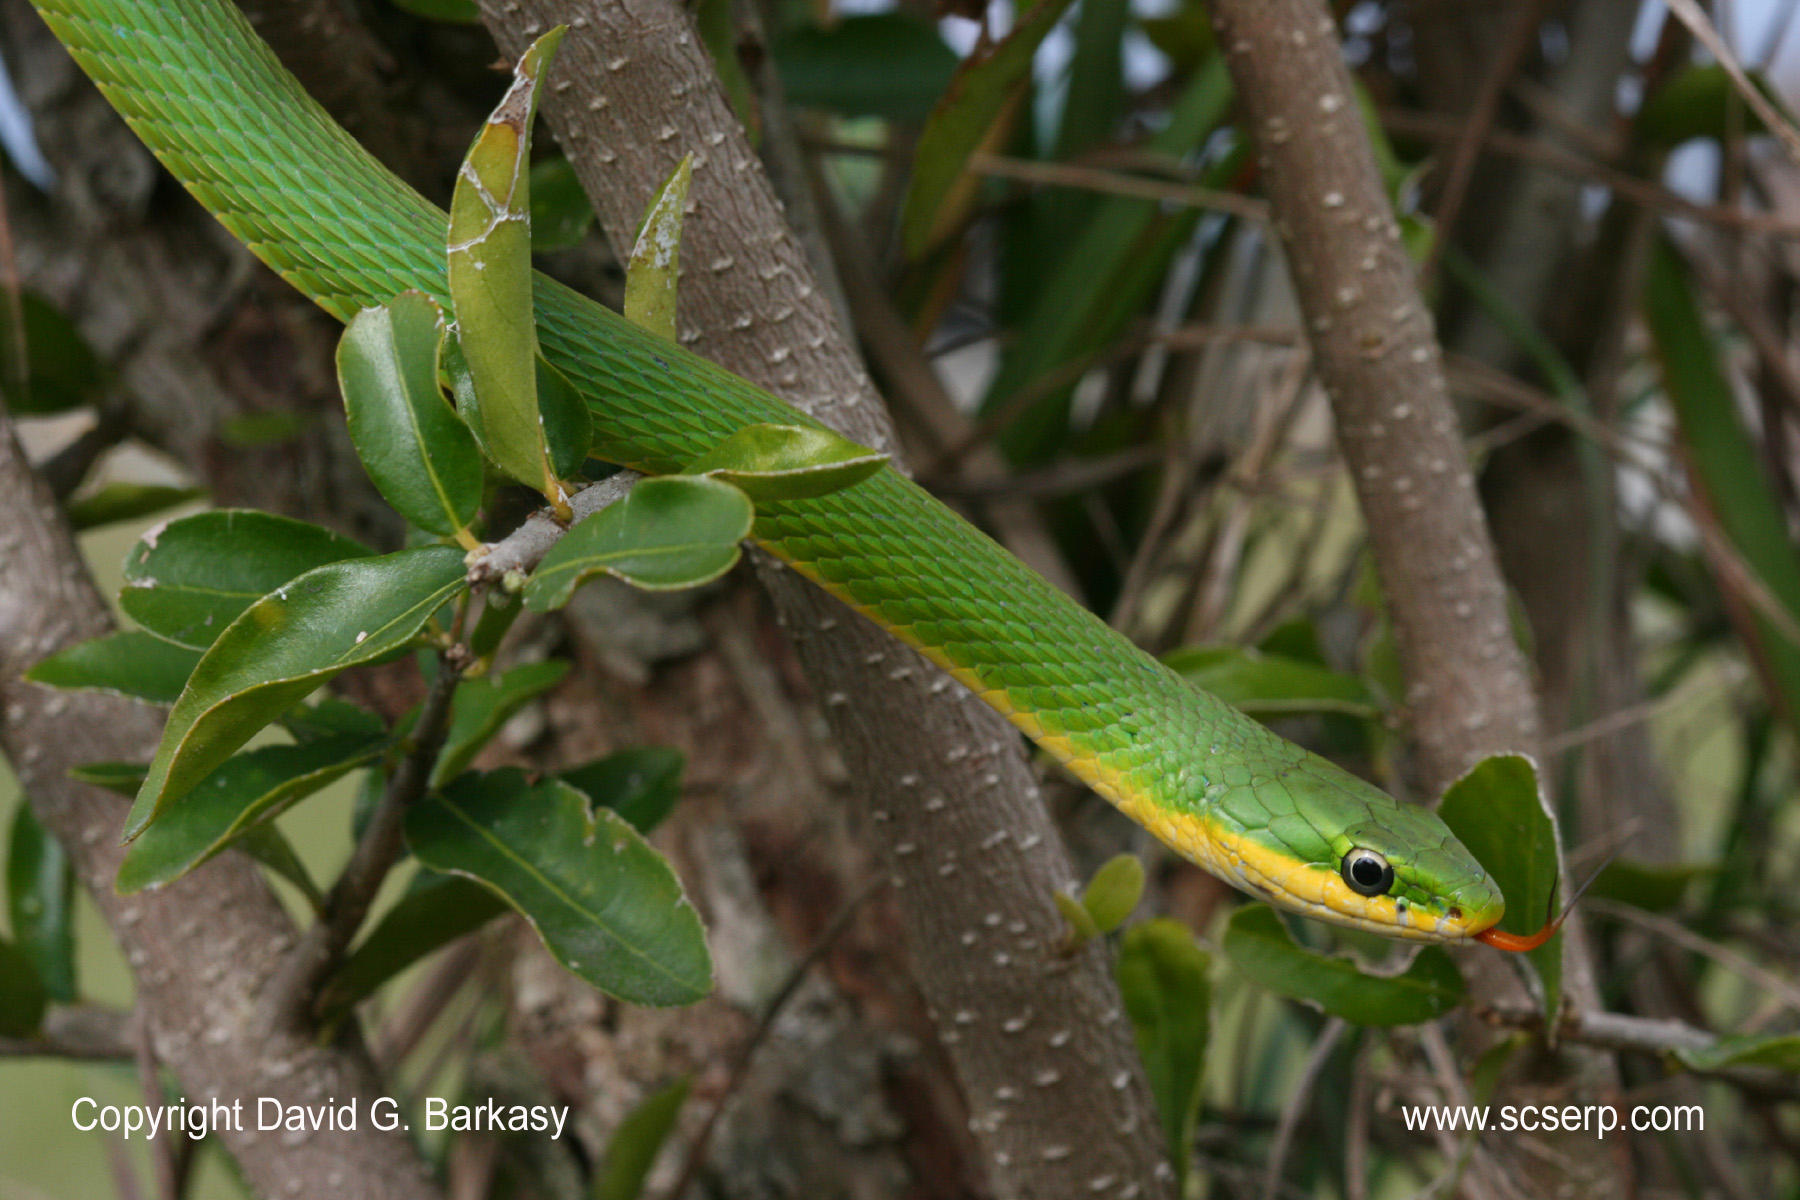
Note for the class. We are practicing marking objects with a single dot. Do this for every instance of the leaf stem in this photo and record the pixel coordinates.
(293, 992)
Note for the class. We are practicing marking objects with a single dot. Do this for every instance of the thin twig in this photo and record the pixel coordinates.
(1481, 119)
(1298, 1098)
(82, 1032)
(1689, 13)
(1687, 939)
(525, 547)
(297, 984)
(1112, 183)
(740, 1067)
(164, 1170)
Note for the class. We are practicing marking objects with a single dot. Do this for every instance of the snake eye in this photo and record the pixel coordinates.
(1367, 873)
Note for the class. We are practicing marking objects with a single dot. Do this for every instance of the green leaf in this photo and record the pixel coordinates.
(1081, 922)
(606, 904)
(187, 580)
(1701, 101)
(979, 95)
(1114, 891)
(331, 717)
(261, 430)
(60, 371)
(1780, 1052)
(40, 899)
(1266, 686)
(127, 502)
(568, 425)
(717, 27)
(121, 777)
(1258, 945)
(490, 277)
(560, 212)
(891, 65)
(481, 706)
(247, 789)
(1501, 817)
(423, 459)
(651, 275)
(1653, 887)
(1185, 35)
(436, 911)
(788, 462)
(455, 12)
(674, 531)
(282, 648)
(1727, 469)
(641, 784)
(22, 995)
(270, 847)
(1163, 980)
(637, 1141)
(131, 663)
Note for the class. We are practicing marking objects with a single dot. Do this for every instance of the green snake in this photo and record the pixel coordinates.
(212, 102)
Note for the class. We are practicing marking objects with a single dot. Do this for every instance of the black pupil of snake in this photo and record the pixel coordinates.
(1367, 873)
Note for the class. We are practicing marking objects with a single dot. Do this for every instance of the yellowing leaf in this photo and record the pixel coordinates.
(650, 277)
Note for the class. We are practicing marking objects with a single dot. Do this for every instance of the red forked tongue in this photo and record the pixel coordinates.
(1520, 943)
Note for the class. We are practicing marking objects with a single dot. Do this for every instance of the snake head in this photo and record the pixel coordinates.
(1405, 874)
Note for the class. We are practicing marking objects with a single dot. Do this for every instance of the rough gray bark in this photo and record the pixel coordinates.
(1044, 1055)
(1375, 350)
(198, 974)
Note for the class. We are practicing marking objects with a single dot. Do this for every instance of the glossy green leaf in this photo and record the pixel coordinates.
(121, 777)
(331, 717)
(187, 580)
(423, 459)
(1114, 891)
(568, 426)
(651, 275)
(892, 65)
(606, 904)
(641, 784)
(1653, 887)
(1163, 980)
(1780, 1052)
(59, 372)
(127, 502)
(637, 1141)
(247, 789)
(1258, 945)
(1727, 470)
(788, 462)
(481, 706)
(675, 531)
(490, 276)
(283, 647)
(435, 911)
(22, 995)
(131, 663)
(978, 96)
(560, 212)
(454, 12)
(40, 899)
(1267, 686)
(1498, 812)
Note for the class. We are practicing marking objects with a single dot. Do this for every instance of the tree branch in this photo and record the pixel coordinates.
(291, 996)
(1059, 1104)
(201, 949)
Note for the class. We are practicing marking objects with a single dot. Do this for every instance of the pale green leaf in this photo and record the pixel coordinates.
(650, 276)
(131, 663)
(788, 462)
